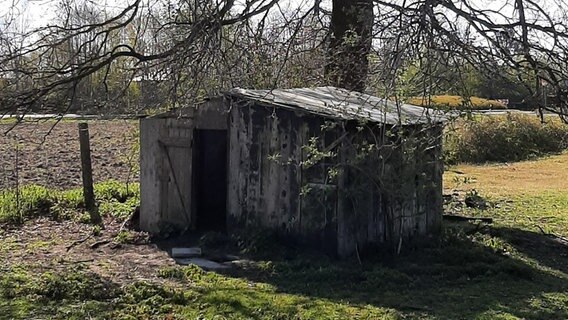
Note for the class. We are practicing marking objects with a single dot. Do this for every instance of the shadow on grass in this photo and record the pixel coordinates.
(54, 295)
(463, 277)
(545, 249)
(498, 273)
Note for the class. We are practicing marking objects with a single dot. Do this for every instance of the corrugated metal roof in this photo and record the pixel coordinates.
(343, 104)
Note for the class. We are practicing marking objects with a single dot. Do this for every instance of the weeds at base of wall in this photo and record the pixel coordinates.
(18, 205)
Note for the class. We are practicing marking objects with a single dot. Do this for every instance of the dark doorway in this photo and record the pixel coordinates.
(210, 179)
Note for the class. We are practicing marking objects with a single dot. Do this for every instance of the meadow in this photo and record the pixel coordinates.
(55, 265)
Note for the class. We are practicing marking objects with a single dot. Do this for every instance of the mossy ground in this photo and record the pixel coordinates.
(512, 269)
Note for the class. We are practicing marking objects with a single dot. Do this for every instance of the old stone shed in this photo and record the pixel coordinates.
(335, 169)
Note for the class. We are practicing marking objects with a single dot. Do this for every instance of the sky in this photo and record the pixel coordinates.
(31, 14)
(27, 14)
(36, 13)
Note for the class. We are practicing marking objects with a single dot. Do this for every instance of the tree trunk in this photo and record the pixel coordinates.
(350, 44)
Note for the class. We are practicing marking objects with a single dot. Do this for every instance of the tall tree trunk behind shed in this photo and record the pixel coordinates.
(350, 44)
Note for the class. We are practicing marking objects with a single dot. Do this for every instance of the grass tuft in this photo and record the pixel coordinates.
(114, 199)
(31, 201)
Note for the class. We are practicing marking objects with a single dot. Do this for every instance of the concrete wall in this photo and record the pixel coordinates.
(269, 187)
(166, 165)
(266, 177)
(395, 197)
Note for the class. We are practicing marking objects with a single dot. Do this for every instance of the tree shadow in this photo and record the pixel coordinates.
(48, 295)
(461, 277)
(546, 249)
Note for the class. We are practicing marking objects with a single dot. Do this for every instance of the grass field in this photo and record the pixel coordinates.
(515, 268)
(529, 195)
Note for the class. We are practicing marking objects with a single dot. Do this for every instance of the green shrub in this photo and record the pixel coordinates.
(503, 139)
(446, 102)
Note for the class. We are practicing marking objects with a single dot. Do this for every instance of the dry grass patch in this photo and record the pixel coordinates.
(456, 102)
(528, 196)
(527, 177)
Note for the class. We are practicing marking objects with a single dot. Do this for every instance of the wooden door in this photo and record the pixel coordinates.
(176, 175)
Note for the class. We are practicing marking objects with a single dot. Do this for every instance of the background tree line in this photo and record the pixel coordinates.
(158, 53)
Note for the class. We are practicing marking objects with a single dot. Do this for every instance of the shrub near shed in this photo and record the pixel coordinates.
(503, 139)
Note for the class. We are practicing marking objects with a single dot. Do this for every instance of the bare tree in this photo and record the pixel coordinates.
(180, 45)
(529, 37)
(194, 48)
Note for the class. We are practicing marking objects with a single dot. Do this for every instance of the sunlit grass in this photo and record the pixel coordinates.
(511, 269)
(512, 179)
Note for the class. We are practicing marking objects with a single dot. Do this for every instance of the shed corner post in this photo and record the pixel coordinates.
(149, 174)
(439, 180)
(234, 166)
(345, 244)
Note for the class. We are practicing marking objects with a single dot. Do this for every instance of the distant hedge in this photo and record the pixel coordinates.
(446, 102)
(503, 139)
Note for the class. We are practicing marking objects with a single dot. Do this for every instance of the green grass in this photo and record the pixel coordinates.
(205, 296)
(482, 276)
(507, 270)
(547, 210)
(113, 198)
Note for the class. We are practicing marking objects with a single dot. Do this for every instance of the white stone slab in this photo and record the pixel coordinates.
(203, 264)
(186, 252)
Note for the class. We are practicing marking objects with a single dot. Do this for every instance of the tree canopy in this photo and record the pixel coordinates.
(107, 57)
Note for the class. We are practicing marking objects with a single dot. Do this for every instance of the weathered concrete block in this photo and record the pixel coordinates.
(204, 264)
(186, 252)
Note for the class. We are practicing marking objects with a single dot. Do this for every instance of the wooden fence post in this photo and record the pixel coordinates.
(87, 174)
